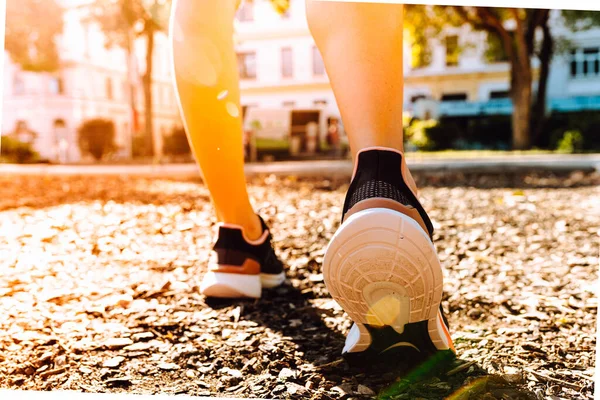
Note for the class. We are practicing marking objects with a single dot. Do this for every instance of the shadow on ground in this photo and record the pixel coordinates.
(100, 291)
(442, 376)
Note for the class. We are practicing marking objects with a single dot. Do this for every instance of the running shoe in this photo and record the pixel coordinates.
(240, 267)
(381, 265)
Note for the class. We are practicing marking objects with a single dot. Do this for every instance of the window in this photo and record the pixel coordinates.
(318, 66)
(56, 85)
(320, 103)
(289, 103)
(452, 51)
(585, 62)
(499, 94)
(109, 89)
(247, 65)
(246, 12)
(287, 62)
(18, 84)
(454, 97)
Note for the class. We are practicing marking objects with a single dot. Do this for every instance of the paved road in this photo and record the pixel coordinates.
(331, 167)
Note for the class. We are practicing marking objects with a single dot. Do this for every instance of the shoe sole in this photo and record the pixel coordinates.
(383, 270)
(228, 285)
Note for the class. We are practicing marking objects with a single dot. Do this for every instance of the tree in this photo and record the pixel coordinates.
(123, 21)
(32, 27)
(97, 137)
(551, 44)
(517, 44)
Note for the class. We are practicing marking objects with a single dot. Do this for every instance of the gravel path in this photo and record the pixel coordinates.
(100, 275)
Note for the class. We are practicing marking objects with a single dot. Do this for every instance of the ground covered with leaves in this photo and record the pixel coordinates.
(100, 276)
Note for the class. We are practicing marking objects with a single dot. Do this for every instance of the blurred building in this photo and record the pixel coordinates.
(280, 66)
(47, 108)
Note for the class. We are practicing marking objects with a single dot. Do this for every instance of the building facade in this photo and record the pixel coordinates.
(280, 66)
(48, 108)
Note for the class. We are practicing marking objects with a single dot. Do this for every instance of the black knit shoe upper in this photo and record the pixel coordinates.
(378, 174)
(232, 249)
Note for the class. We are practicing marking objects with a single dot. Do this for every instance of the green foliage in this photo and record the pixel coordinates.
(586, 123)
(97, 137)
(418, 134)
(571, 142)
(176, 143)
(577, 131)
(119, 17)
(256, 125)
(492, 132)
(122, 21)
(32, 28)
(14, 151)
(494, 50)
(280, 6)
(266, 144)
(579, 20)
(421, 24)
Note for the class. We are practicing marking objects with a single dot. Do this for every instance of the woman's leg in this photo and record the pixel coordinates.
(361, 44)
(380, 265)
(206, 77)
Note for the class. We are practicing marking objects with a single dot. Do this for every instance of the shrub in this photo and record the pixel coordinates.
(472, 133)
(586, 123)
(12, 150)
(139, 146)
(97, 137)
(417, 134)
(176, 143)
(571, 142)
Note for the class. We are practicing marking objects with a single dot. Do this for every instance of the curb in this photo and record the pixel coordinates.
(326, 168)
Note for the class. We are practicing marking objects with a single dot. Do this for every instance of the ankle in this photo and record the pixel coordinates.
(407, 176)
(253, 229)
(250, 224)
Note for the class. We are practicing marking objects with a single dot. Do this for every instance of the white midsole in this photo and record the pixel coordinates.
(382, 269)
(224, 284)
(272, 280)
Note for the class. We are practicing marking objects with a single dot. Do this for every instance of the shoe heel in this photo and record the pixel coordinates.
(382, 269)
(228, 285)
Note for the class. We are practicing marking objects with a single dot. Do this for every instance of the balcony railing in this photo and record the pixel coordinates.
(505, 107)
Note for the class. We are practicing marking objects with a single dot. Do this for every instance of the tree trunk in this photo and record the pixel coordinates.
(147, 84)
(539, 107)
(521, 97)
(521, 79)
(131, 74)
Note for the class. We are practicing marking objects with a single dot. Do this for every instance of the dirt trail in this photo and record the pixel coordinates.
(100, 275)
